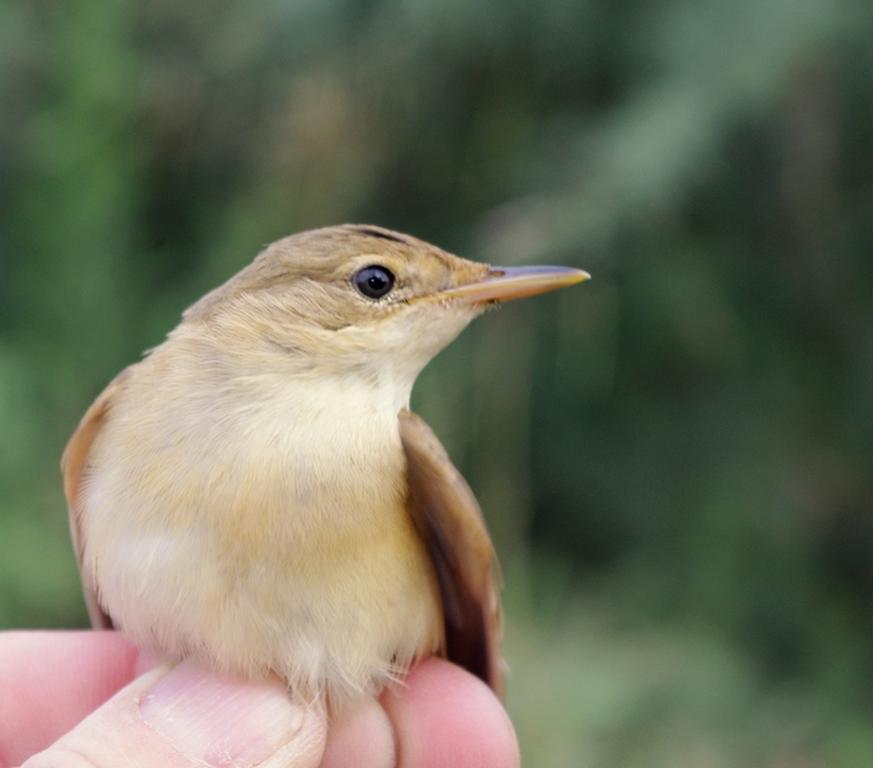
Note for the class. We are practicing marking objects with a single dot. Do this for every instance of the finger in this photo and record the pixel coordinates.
(188, 717)
(361, 736)
(428, 733)
(444, 716)
(49, 681)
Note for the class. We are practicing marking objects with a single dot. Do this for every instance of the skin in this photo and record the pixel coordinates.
(51, 681)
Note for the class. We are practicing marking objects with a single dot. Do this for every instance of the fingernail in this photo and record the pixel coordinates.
(221, 721)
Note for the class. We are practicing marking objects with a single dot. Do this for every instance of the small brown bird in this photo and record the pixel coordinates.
(255, 492)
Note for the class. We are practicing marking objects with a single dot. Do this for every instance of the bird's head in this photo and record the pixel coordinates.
(359, 301)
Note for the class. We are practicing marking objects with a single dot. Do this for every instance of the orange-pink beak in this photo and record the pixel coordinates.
(507, 283)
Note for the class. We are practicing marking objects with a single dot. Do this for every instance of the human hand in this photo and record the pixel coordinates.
(88, 700)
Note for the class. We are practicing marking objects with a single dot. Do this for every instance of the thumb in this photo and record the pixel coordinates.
(188, 717)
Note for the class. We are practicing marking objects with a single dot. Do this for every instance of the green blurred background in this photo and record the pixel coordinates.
(675, 458)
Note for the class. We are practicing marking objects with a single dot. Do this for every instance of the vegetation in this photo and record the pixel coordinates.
(675, 459)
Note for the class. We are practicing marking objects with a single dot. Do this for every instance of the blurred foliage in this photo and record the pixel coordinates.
(675, 459)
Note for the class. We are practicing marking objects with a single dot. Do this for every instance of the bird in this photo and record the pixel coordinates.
(255, 493)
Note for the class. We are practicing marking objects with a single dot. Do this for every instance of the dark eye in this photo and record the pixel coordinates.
(374, 281)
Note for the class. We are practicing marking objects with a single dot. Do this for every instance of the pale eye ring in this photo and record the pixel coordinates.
(374, 281)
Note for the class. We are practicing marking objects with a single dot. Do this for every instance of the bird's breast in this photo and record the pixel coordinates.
(264, 529)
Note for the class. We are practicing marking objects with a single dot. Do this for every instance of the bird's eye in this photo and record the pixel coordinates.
(374, 281)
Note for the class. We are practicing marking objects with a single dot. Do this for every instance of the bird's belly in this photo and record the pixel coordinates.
(257, 571)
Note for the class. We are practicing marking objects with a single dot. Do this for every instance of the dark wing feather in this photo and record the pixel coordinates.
(74, 463)
(451, 524)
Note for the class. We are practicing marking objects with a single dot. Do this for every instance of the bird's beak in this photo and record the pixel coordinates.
(507, 283)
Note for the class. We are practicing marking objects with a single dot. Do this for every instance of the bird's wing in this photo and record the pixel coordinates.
(74, 464)
(451, 524)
